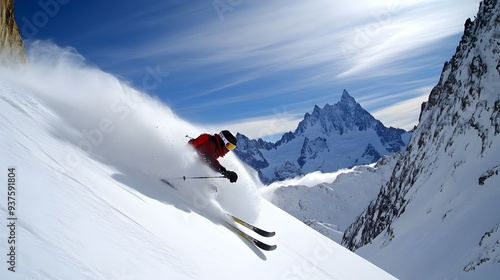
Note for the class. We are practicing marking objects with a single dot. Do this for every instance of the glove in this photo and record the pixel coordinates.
(231, 175)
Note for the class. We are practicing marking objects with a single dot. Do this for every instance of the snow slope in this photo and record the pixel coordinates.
(88, 151)
(330, 202)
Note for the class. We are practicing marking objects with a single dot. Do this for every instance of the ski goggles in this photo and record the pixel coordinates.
(230, 146)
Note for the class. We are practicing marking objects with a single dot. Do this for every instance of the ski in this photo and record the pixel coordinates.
(251, 239)
(254, 241)
(257, 230)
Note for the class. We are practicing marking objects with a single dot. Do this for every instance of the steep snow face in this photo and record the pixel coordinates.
(88, 151)
(336, 136)
(442, 199)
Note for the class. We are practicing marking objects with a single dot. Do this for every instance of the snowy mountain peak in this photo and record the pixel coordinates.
(316, 110)
(347, 99)
(346, 115)
(333, 137)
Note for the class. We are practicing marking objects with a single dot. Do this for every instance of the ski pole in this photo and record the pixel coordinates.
(197, 177)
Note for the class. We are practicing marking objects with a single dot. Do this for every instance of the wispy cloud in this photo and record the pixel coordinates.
(263, 127)
(403, 114)
(274, 36)
(264, 50)
(405, 32)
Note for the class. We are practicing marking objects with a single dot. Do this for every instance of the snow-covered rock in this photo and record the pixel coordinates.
(336, 136)
(437, 216)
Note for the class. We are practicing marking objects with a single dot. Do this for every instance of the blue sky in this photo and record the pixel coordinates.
(257, 66)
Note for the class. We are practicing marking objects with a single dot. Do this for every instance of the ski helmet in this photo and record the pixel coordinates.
(228, 139)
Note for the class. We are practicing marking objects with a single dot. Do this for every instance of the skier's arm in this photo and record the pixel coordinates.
(216, 166)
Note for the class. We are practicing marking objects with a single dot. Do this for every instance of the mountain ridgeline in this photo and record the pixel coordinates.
(336, 136)
(447, 181)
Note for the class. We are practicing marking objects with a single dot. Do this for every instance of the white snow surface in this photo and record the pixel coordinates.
(88, 151)
(330, 202)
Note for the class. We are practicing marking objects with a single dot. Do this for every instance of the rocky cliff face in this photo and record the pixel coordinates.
(11, 44)
(447, 181)
(336, 136)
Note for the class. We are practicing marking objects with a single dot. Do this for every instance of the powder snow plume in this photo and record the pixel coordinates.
(128, 129)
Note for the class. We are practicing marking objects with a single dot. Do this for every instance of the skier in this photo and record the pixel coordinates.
(211, 147)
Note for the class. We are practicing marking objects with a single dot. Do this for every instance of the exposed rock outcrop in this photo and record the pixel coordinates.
(11, 44)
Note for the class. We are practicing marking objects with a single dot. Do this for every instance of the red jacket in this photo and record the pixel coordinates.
(210, 148)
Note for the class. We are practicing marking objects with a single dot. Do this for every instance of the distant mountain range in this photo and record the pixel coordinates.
(336, 136)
